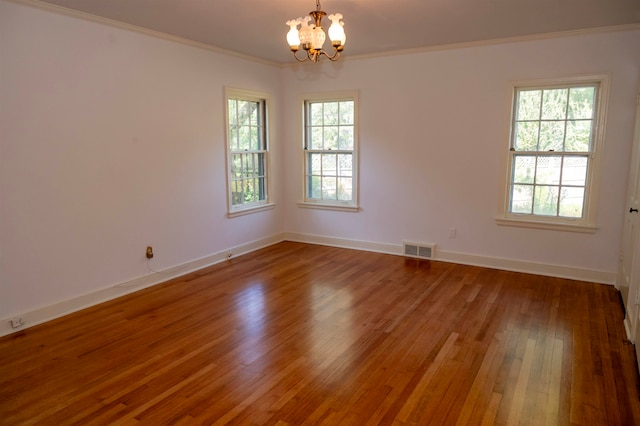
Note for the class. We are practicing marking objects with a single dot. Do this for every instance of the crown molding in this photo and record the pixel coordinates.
(496, 41)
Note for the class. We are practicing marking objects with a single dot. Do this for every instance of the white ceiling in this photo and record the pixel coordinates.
(257, 28)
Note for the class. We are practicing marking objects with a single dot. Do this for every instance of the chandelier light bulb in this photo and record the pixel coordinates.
(336, 30)
(293, 38)
(306, 32)
(318, 38)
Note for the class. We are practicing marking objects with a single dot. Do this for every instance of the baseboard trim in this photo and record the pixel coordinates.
(344, 243)
(627, 329)
(57, 310)
(559, 271)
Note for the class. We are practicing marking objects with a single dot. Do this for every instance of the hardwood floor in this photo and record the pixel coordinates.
(301, 334)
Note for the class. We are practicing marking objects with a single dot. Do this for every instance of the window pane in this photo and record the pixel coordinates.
(255, 139)
(346, 138)
(331, 113)
(546, 200)
(331, 137)
(232, 111)
(244, 111)
(554, 104)
(578, 136)
(345, 165)
(316, 114)
(315, 138)
(548, 170)
(329, 184)
(522, 199)
(236, 166)
(581, 101)
(571, 202)
(524, 169)
(233, 138)
(236, 192)
(526, 136)
(529, 105)
(551, 135)
(251, 191)
(329, 166)
(315, 183)
(246, 165)
(346, 112)
(316, 163)
(344, 189)
(254, 165)
(574, 171)
(244, 134)
(254, 113)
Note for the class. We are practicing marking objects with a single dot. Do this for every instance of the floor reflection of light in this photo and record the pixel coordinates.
(331, 335)
(250, 305)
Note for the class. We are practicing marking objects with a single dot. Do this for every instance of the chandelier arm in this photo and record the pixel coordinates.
(334, 57)
(296, 56)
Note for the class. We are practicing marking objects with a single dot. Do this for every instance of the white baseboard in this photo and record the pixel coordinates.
(627, 329)
(579, 274)
(57, 310)
(601, 277)
(343, 243)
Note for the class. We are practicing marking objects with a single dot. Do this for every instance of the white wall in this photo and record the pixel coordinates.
(111, 140)
(433, 138)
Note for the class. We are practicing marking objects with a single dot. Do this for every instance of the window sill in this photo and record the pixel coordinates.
(250, 210)
(336, 207)
(539, 224)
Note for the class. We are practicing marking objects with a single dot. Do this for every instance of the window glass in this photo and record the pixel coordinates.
(552, 150)
(247, 150)
(330, 142)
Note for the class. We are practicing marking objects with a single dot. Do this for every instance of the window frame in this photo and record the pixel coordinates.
(586, 223)
(264, 99)
(317, 203)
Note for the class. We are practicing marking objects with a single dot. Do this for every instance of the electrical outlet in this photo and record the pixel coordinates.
(16, 322)
(452, 232)
(149, 252)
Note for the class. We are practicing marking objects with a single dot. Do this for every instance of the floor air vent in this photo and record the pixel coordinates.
(420, 251)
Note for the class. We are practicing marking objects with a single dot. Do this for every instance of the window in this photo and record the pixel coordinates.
(330, 154)
(554, 145)
(247, 151)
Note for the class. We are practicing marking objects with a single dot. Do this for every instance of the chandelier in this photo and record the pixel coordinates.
(312, 37)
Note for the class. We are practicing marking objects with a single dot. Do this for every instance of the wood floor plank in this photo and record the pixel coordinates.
(298, 334)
